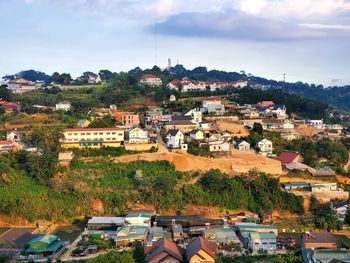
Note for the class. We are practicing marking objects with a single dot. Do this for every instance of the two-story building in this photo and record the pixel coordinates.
(92, 137)
(138, 136)
(174, 138)
(151, 80)
(265, 147)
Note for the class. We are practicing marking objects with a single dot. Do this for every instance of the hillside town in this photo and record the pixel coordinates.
(195, 134)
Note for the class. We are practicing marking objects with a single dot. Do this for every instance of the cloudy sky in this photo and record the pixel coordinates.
(309, 40)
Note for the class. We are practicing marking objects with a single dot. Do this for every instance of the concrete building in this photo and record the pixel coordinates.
(174, 138)
(138, 136)
(127, 118)
(262, 241)
(265, 147)
(92, 137)
(151, 80)
(64, 105)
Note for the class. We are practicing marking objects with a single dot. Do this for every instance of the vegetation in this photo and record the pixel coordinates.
(195, 149)
(114, 256)
(325, 217)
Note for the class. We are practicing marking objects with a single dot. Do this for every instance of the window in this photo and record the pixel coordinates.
(88, 133)
(69, 134)
(101, 133)
(95, 133)
(113, 133)
(108, 133)
(120, 134)
(82, 133)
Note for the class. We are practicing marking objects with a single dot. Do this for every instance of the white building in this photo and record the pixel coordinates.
(151, 80)
(219, 146)
(64, 105)
(206, 126)
(196, 135)
(138, 136)
(262, 241)
(318, 124)
(196, 115)
(213, 105)
(265, 147)
(341, 208)
(174, 138)
(243, 146)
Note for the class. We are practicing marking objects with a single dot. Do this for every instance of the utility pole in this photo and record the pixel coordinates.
(155, 44)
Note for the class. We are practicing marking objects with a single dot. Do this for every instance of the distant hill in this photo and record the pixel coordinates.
(335, 96)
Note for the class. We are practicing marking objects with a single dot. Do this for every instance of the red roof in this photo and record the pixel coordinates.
(149, 76)
(92, 129)
(5, 142)
(287, 157)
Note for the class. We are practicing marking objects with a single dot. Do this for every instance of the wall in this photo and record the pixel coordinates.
(140, 147)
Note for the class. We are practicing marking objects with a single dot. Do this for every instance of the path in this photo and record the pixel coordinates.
(347, 165)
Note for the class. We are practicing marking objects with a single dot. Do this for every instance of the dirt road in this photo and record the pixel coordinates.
(238, 162)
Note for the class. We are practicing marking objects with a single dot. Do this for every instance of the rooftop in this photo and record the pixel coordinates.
(106, 220)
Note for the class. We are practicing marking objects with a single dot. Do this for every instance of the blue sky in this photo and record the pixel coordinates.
(309, 40)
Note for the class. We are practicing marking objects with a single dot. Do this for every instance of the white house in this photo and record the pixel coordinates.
(219, 146)
(151, 80)
(138, 136)
(341, 209)
(6, 145)
(243, 146)
(262, 241)
(318, 124)
(64, 105)
(287, 126)
(196, 115)
(196, 135)
(265, 147)
(174, 138)
(213, 105)
(205, 126)
(280, 110)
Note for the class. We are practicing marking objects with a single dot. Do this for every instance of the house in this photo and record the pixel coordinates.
(177, 232)
(196, 135)
(316, 240)
(205, 126)
(221, 236)
(64, 106)
(286, 157)
(253, 227)
(265, 147)
(151, 80)
(105, 223)
(126, 236)
(280, 110)
(44, 246)
(318, 124)
(195, 114)
(16, 136)
(219, 146)
(155, 233)
(340, 208)
(174, 138)
(289, 136)
(338, 255)
(321, 172)
(9, 107)
(213, 105)
(201, 250)
(163, 251)
(243, 146)
(262, 241)
(6, 145)
(126, 118)
(138, 219)
(92, 137)
(172, 98)
(138, 136)
(83, 123)
(182, 125)
(265, 103)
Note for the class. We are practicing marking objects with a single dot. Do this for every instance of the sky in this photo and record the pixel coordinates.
(309, 40)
